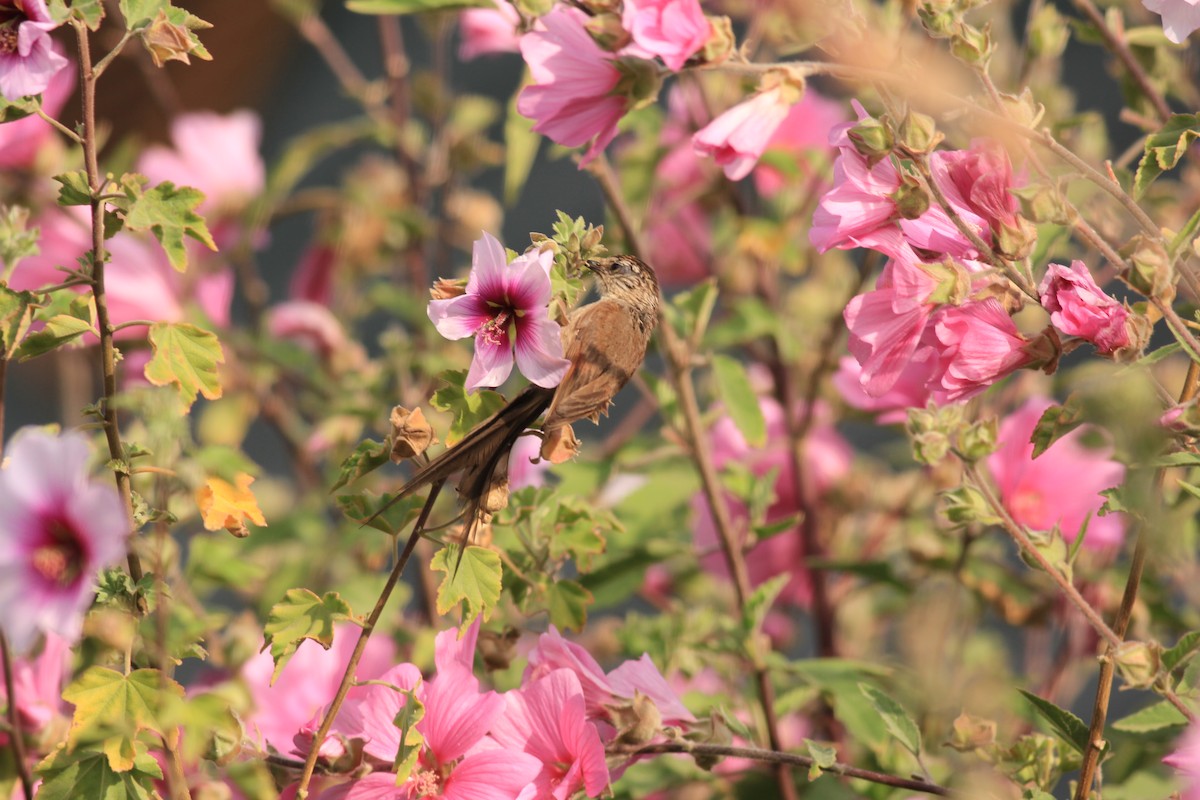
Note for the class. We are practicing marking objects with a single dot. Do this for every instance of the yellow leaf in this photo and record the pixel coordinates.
(229, 507)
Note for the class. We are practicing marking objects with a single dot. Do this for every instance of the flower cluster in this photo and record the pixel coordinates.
(545, 739)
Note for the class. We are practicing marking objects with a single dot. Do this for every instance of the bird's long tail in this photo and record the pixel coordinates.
(479, 452)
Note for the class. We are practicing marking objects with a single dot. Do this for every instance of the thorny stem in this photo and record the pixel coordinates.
(1091, 757)
(1121, 49)
(360, 647)
(679, 366)
(16, 737)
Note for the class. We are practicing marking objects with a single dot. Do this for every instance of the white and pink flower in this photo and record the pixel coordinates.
(737, 138)
(28, 58)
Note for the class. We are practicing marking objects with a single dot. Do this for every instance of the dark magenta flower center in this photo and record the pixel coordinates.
(495, 330)
(60, 557)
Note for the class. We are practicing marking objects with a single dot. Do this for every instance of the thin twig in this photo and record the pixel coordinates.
(1121, 49)
(360, 647)
(16, 736)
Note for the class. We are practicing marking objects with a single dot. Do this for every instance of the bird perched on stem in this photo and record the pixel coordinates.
(605, 342)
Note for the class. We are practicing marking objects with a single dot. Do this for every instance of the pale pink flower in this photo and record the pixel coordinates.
(306, 684)
(215, 153)
(1185, 758)
(1061, 486)
(487, 31)
(522, 470)
(38, 683)
(1079, 307)
(1179, 19)
(977, 183)
(673, 30)
(28, 59)
(58, 529)
(572, 97)
(737, 138)
(827, 460)
(804, 136)
(506, 308)
(310, 325)
(910, 390)
(977, 345)
(20, 141)
(546, 718)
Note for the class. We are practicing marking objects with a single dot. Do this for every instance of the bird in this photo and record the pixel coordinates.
(605, 342)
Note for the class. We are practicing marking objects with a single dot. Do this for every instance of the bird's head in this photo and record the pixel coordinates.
(626, 279)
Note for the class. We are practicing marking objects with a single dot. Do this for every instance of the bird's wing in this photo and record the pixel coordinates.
(605, 349)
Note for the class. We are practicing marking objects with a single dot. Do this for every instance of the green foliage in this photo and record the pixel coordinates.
(1164, 148)
(411, 713)
(1152, 718)
(66, 318)
(473, 580)
(169, 213)
(899, 724)
(73, 188)
(1070, 728)
(520, 151)
(302, 615)
(85, 772)
(468, 410)
(1056, 421)
(369, 456)
(568, 602)
(13, 110)
(16, 312)
(1182, 651)
(17, 239)
(741, 401)
(824, 756)
(185, 357)
(113, 708)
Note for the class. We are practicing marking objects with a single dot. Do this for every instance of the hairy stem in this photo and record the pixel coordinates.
(360, 647)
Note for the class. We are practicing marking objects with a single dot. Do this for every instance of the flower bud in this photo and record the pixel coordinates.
(1138, 663)
(1052, 547)
(640, 80)
(966, 506)
(607, 30)
(940, 22)
(1048, 33)
(166, 40)
(637, 721)
(1042, 203)
(1150, 271)
(910, 198)
(978, 440)
(931, 431)
(872, 139)
(918, 133)
(972, 45)
(498, 650)
(1044, 351)
(447, 288)
(721, 43)
(1015, 239)
(953, 282)
(969, 733)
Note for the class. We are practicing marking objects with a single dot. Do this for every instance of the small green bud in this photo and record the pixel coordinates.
(640, 80)
(940, 22)
(966, 506)
(1042, 203)
(872, 139)
(607, 30)
(1023, 108)
(1150, 271)
(1138, 663)
(1015, 239)
(953, 282)
(978, 440)
(1052, 548)
(918, 133)
(972, 45)
(911, 198)
(1048, 34)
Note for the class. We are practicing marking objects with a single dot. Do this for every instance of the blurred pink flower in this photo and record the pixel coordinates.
(674, 30)
(803, 132)
(28, 60)
(977, 345)
(1078, 307)
(522, 471)
(827, 458)
(572, 98)
(215, 153)
(308, 324)
(503, 298)
(139, 281)
(546, 718)
(38, 683)
(1185, 758)
(58, 529)
(909, 391)
(737, 138)
(1061, 486)
(487, 31)
(1179, 19)
(313, 278)
(306, 684)
(20, 141)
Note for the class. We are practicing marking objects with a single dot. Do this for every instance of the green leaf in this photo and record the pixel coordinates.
(468, 409)
(406, 719)
(474, 581)
(169, 213)
(690, 311)
(740, 399)
(412, 6)
(895, 718)
(74, 189)
(369, 456)
(1069, 727)
(85, 772)
(138, 13)
(1182, 650)
(115, 707)
(1036, 794)
(1164, 149)
(757, 605)
(1152, 718)
(824, 756)
(89, 12)
(568, 601)
(363, 506)
(520, 151)
(16, 312)
(187, 357)
(58, 331)
(1055, 422)
(302, 615)
(13, 110)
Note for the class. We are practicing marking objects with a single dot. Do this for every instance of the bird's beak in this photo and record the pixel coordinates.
(592, 264)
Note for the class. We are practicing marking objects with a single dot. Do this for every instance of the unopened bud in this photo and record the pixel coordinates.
(953, 282)
(1053, 549)
(448, 288)
(721, 42)
(640, 82)
(966, 506)
(918, 133)
(1044, 351)
(972, 45)
(978, 441)
(411, 433)
(496, 497)
(1048, 33)
(560, 445)
(1042, 203)
(940, 22)
(598, 7)
(1015, 239)
(910, 198)
(969, 733)
(1139, 330)
(872, 139)
(607, 30)
(1138, 663)
(534, 8)
(1150, 271)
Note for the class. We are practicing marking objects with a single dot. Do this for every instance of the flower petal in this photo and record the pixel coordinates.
(540, 351)
(492, 775)
(488, 265)
(491, 365)
(457, 715)
(459, 317)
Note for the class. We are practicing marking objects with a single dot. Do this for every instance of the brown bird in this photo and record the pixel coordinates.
(605, 342)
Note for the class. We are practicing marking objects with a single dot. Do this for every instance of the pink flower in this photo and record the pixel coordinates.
(306, 684)
(910, 390)
(1078, 307)
(827, 459)
(572, 98)
(674, 30)
(486, 31)
(311, 325)
(1061, 486)
(313, 278)
(21, 141)
(38, 684)
(58, 529)
(803, 132)
(977, 345)
(977, 184)
(546, 718)
(217, 154)
(522, 471)
(1185, 759)
(737, 138)
(1179, 19)
(501, 298)
(28, 60)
